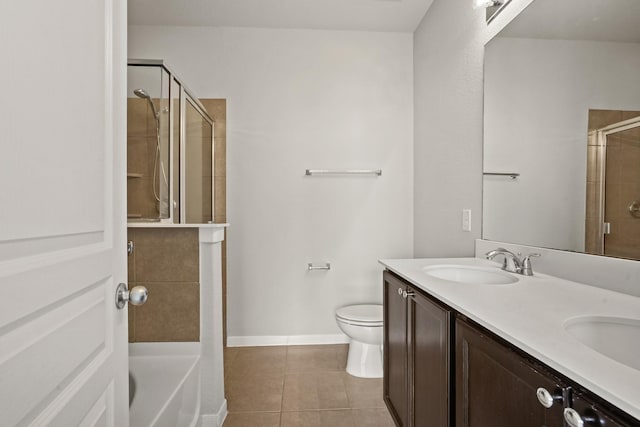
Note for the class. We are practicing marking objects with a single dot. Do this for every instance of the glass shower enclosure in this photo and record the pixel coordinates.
(169, 148)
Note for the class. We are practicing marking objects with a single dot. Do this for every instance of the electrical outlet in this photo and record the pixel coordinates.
(466, 219)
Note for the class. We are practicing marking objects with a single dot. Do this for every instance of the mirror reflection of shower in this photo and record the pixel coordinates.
(141, 93)
(613, 184)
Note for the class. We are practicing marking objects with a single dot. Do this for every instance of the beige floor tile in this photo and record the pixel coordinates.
(230, 354)
(252, 419)
(314, 390)
(308, 383)
(342, 418)
(363, 392)
(314, 358)
(342, 351)
(254, 393)
(257, 360)
(377, 417)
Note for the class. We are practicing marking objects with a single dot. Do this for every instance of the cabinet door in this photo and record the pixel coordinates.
(495, 386)
(429, 362)
(598, 415)
(395, 349)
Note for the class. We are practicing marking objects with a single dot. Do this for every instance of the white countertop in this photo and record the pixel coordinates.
(530, 314)
(157, 224)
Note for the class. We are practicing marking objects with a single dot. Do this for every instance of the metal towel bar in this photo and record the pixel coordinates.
(310, 172)
(326, 266)
(511, 175)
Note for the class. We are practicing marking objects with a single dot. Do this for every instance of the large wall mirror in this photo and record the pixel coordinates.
(562, 128)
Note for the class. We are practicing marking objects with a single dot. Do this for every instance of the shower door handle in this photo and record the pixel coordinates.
(136, 296)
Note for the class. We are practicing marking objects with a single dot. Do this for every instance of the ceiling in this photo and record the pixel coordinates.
(595, 20)
(361, 15)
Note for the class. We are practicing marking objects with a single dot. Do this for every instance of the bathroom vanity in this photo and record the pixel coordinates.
(468, 344)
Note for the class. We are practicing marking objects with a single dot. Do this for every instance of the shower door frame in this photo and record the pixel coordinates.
(184, 95)
(601, 135)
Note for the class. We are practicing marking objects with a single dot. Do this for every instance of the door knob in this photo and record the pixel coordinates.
(136, 296)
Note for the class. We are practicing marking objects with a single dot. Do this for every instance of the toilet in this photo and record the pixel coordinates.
(363, 325)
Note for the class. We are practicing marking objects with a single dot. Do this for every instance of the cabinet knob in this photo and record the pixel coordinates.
(572, 418)
(545, 398)
(400, 291)
(406, 294)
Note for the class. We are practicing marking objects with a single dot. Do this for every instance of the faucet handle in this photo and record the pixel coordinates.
(526, 263)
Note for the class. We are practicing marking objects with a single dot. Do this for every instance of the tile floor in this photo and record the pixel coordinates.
(299, 386)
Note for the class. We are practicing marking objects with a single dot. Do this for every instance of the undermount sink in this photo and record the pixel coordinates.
(618, 338)
(470, 274)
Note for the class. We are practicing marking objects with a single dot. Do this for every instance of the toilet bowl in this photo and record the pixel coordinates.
(363, 325)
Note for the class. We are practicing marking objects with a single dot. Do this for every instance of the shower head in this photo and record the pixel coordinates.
(141, 93)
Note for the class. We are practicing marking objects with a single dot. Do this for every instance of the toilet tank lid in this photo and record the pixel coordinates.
(361, 312)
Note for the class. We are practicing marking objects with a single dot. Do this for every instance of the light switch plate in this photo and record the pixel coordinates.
(466, 219)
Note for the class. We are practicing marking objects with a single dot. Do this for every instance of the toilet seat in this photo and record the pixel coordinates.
(361, 315)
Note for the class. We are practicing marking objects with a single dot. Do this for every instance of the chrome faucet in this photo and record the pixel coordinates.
(512, 262)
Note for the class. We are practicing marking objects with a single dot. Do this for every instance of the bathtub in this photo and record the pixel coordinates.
(167, 384)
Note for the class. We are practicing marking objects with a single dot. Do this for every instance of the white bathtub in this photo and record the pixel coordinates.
(167, 384)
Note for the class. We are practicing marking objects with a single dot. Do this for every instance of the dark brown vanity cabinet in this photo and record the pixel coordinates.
(443, 370)
(495, 386)
(396, 376)
(416, 356)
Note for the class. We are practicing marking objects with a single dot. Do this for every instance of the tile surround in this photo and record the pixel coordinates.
(166, 255)
(166, 261)
(172, 313)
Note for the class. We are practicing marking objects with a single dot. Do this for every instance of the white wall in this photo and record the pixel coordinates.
(537, 97)
(448, 72)
(302, 99)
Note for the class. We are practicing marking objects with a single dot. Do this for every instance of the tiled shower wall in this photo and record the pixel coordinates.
(165, 260)
(141, 148)
(621, 187)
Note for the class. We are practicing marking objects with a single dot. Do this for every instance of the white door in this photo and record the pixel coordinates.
(62, 213)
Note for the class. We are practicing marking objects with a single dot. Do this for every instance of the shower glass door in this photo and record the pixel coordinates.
(169, 148)
(620, 188)
(198, 166)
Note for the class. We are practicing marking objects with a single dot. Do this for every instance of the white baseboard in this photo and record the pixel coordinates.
(271, 340)
(215, 420)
